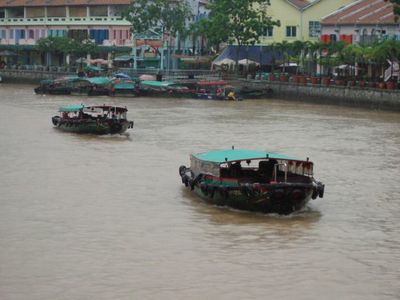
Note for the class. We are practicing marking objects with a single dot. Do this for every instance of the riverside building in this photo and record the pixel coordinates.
(24, 22)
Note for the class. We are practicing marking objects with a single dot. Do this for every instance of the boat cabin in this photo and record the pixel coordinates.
(243, 166)
(81, 111)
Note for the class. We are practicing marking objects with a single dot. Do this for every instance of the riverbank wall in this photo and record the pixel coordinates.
(30, 76)
(365, 97)
(372, 98)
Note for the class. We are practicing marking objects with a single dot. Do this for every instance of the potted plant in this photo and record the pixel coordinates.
(382, 85)
(325, 81)
(302, 79)
(284, 77)
(338, 81)
(390, 85)
(271, 77)
(362, 82)
(351, 82)
(315, 79)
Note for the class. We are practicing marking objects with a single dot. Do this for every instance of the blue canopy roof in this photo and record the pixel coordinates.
(264, 55)
(221, 156)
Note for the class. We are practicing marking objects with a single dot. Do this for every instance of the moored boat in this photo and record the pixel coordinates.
(58, 86)
(250, 180)
(215, 90)
(91, 86)
(103, 119)
(168, 89)
(123, 88)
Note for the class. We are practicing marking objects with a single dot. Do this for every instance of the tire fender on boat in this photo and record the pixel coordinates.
(297, 195)
(182, 170)
(279, 194)
(203, 188)
(321, 190)
(211, 191)
(223, 191)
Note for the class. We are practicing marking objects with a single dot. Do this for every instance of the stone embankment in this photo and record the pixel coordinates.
(373, 98)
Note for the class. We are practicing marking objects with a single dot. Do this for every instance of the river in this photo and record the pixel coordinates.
(88, 217)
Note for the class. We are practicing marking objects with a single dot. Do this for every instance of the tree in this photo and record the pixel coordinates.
(169, 15)
(396, 8)
(66, 46)
(284, 48)
(239, 22)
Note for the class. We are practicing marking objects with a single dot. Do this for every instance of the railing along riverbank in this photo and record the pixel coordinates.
(306, 91)
(35, 75)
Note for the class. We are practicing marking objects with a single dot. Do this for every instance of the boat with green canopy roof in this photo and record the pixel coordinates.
(168, 89)
(261, 181)
(91, 86)
(59, 86)
(99, 119)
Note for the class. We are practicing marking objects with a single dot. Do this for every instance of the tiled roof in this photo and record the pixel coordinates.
(15, 3)
(362, 12)
(300, 3)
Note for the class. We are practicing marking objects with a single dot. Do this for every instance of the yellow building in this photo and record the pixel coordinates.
(300, 19)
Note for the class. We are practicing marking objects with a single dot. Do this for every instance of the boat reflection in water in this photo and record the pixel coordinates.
(104, 119)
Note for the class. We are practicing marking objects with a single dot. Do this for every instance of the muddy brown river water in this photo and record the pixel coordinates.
(88, 217)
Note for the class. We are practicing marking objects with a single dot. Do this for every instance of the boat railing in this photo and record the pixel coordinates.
(276, 171)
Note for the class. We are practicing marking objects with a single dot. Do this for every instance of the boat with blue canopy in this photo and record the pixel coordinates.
(260, 181)
(98, 119)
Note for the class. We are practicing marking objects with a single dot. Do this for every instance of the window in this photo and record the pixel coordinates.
(268, 31)
(291, 31)
(99, 11)
(314, 28)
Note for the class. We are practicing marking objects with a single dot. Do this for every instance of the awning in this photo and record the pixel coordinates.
(246, 62)
(225, 61)
(265, 55)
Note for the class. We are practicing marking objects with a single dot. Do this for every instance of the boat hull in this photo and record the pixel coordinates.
(264, 202)
(281, 198)
(98, 127)
(53, 91)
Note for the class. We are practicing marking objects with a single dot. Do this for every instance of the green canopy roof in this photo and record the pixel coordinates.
(99, 80)
(156, 83)
(221, 156)
(71, 108)
(124, 85)
(92, 68)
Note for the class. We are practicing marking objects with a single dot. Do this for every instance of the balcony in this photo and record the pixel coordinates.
(118, 43)
(64, 21)
(27, 42)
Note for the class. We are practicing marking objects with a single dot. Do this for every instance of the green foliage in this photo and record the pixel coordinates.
(236, 21)
(170, 15)
(396, 8)
(65, 45)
